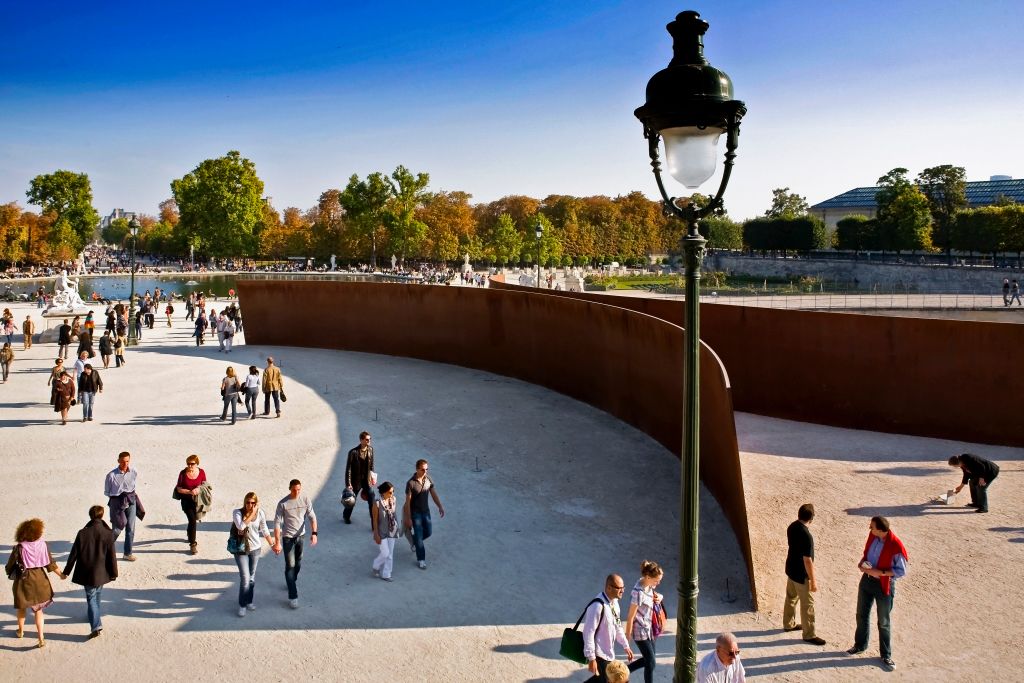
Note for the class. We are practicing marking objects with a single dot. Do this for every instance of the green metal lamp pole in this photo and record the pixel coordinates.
(690, 105)
(132, 341)
(540, 234)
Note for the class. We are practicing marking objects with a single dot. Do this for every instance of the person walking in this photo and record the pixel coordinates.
(28, 328)
(386, 530)
(63, 339)
(1014, 293)
(723, 665)
(85, 344)
(55, 374)
(124, 503)
(646, 608)
(801, 580)
(229, 332)
(602, 628)
(360, 477)
(250, 521)
(169, 311)
(884, 560)
(416, 511)
(979, 473)
(7, 325)
(251, 387)
(273, 386)
(89, 324)
(6, 358)
(200, 330)
(28, 564)
(1006, 291)
(187, 488)
(94, 562)
(89, 384)
(106, 348)
(289, 529)
(219, 326)
(64, 395)
(120, 343)
(229, 388)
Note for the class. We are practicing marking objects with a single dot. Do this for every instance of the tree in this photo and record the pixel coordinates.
(329, 225)
(408, 193)
(853, 233)
(722, 233)
(169, 212)
(800, 234)
(505, 241)
(270, 233)
(904, 220)
(220, 204)
(13, 233)
(116, 231)
(786, 204)
(68, 197)
(450, 225)
(365, 202)
(946, 191)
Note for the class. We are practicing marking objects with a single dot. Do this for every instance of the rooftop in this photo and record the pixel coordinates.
(979, 193)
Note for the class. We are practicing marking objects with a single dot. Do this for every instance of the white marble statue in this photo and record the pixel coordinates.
(333, 266)
(466, 268)
(66, 297)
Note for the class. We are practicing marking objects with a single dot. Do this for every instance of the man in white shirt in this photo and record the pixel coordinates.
(602, 628)
(723, 665)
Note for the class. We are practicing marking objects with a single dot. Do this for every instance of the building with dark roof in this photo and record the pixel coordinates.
(861, 201)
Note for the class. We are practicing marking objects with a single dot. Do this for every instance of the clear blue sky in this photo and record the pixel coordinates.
(517, 97)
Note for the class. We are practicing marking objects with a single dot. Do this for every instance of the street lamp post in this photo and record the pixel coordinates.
(689, 106)
(132, 341)
(540, 234)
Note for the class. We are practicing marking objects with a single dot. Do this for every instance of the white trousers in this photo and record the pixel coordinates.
(386, 558)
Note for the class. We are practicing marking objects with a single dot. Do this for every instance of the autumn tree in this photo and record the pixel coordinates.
(450, 225)
(169, 212)
(67, 197)
(945, 188)
(328, 225)
(220, 205)
(13, 233)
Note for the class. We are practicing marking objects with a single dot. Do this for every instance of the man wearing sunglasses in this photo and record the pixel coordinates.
(723, 665)
(602, 628)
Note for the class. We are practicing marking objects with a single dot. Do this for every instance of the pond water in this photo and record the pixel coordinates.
(119, 286)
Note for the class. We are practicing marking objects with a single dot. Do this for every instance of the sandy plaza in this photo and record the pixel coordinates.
(544, 496)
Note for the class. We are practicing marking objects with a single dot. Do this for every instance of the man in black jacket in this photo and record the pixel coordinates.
(96, 560)
(979, 473)
(357, 473)
(63, 339)
(89, 384)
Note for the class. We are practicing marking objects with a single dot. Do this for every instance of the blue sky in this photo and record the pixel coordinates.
(517, 97)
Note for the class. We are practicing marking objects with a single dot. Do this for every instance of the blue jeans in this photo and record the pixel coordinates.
(129, 529)
(421, 531)
(229, 399)
(88, 399)
(870, 591)
(292, 564)
(647, 656)
(92, 603)
(250, 399)
(247, 573)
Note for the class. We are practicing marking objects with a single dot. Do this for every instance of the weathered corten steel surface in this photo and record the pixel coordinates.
(620, 361)
(952, 379)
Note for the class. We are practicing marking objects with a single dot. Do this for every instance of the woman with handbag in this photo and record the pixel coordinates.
(386, 529)
(187, 488)
(28, 564)
(64, 395)
(229, 388)
(250, 526)
(252, 390)
(646, 617)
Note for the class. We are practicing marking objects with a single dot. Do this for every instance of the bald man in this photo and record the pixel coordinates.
(602, 628)
(723, 665)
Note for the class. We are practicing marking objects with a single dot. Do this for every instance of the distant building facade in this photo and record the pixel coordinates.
(861, 201)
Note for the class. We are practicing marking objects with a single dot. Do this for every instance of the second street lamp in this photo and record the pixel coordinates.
(132, 340)
(689, 106)
(540, 234)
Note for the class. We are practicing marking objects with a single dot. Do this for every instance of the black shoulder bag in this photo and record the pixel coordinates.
(572, 639)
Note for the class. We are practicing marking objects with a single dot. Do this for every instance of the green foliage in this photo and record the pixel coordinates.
(854, 233)
(786, 204)
(505, 240)
(365, 203)
(722, 233)
(116, 231)
(785, 234)
(408, 193)
(945, 188)
(904, 220)
(220, 204)
(989, 229)
(68, 196)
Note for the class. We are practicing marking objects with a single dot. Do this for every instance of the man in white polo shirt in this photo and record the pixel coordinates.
(602, 628)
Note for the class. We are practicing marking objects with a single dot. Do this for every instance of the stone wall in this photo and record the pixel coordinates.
(886, 276)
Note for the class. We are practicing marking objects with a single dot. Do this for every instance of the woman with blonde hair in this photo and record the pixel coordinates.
(646, 614)
(28, 564)
(229, 388)
(250, 524)
(187, 488)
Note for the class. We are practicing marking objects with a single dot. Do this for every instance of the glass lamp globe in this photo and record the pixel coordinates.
(691, 153)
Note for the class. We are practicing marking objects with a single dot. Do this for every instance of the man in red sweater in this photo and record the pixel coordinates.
(884, 560)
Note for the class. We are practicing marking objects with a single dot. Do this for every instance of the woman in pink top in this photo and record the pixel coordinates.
(187, 488)
(28, 565)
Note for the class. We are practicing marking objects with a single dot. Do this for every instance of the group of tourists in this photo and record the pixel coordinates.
(233, 388)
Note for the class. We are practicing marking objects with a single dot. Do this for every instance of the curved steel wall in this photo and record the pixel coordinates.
(952, 379)
(623, 362)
